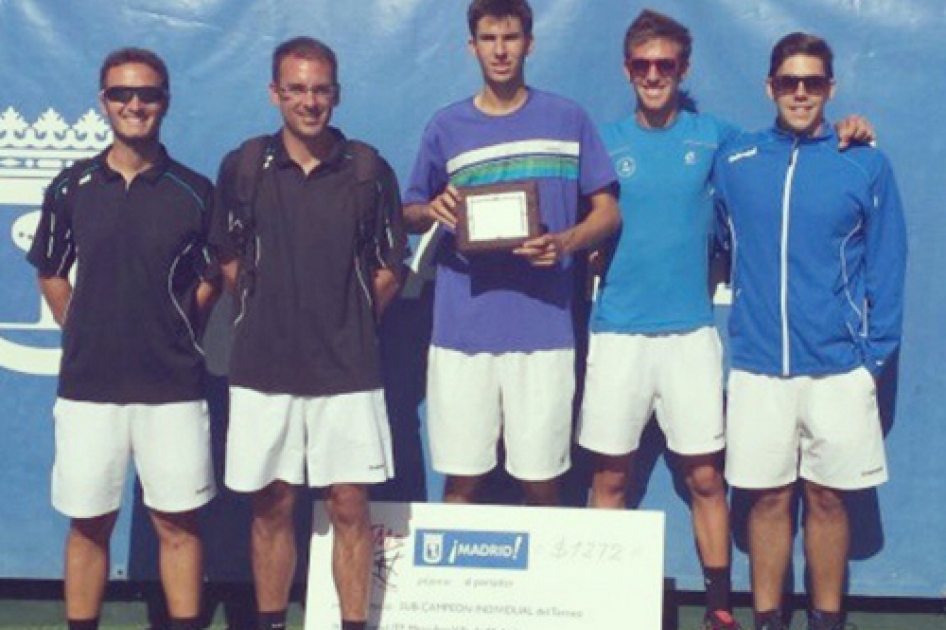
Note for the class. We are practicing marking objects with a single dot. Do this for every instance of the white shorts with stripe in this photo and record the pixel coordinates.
(170, 445)
(631, 376)
(825, 429)
(524, 397)
(322, 440)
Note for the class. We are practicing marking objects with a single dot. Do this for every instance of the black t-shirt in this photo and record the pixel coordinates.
(130, 335)
(306, 324)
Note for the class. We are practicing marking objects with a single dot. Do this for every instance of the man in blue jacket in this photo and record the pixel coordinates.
(819, 250)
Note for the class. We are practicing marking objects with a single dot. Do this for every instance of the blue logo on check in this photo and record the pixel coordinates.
(482, 550)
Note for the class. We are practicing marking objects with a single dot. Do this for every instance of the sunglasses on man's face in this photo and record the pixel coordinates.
(815, 84)
(639, 67)
(147, 94)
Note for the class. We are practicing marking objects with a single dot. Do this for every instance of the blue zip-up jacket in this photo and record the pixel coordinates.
(819, 252)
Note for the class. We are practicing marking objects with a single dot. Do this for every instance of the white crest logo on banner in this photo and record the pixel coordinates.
(433, 548)
(30, 156)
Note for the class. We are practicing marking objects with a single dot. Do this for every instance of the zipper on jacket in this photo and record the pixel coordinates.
(783, 284)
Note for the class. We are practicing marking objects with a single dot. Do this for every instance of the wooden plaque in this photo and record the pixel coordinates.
(497, 217)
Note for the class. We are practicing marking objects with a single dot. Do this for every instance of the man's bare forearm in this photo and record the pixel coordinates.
(58, 293)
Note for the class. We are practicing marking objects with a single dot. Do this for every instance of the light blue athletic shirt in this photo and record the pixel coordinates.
(657, 281)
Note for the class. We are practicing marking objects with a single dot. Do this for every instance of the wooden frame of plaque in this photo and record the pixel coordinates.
(480, 228)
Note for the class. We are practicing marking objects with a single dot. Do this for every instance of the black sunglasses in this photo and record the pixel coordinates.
(639, 67)
(815, 84)
(147, 94)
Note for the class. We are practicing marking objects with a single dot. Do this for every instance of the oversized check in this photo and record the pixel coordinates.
(469, 567)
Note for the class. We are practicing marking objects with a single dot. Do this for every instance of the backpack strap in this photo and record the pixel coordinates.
(253, 158)
(367, 167)
(365, 159)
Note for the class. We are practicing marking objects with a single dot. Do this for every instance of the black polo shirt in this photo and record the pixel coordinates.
(130, 334)
(307, 327)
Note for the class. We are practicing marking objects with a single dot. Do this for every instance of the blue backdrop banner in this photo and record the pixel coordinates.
(400, 61)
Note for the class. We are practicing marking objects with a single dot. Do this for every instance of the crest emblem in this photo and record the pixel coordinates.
(433, 548)
(30, 156)
(625, 166)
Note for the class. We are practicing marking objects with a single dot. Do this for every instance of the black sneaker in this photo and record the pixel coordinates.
(840, 626)
(817, 622)
(771, 624)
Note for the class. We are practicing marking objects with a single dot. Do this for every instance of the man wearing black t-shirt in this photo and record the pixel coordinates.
(131, 379)
(309, 229)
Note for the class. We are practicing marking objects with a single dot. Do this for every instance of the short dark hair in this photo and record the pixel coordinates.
(802, 44)
(479, 9)
(650, 25)
(305, 48)
(124, 56)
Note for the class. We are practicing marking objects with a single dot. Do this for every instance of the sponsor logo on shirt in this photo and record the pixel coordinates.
(735, 157)
(31, 154)
(625, 166)
(479, 549)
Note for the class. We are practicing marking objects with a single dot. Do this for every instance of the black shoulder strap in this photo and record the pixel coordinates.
(253, 158)
(365, 159)
(368, 171)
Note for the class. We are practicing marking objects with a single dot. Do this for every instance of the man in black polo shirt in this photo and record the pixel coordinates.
(131, 379)
(311, 237)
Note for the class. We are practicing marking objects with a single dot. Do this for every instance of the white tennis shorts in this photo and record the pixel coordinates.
(524, 397)
(825, 429)
(170, 444)
(343, 438)
(631, 376)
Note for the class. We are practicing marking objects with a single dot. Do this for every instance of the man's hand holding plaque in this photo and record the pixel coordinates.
(543, 251)
(443, 208)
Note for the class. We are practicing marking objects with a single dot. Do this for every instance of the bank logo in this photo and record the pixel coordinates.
(31, 154)
(476, 549)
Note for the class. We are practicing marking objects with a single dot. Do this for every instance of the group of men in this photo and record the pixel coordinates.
(306, 229)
